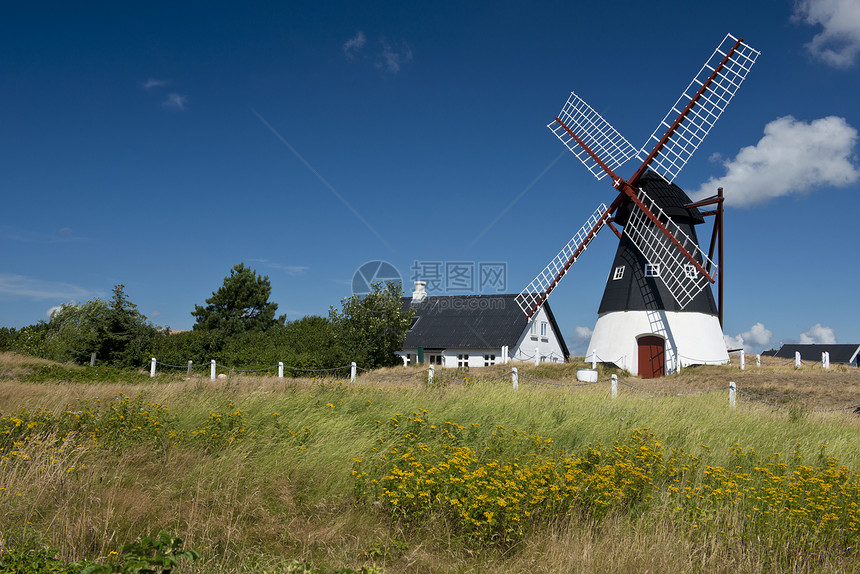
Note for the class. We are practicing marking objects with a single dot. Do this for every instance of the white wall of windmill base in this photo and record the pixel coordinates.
(690, 338)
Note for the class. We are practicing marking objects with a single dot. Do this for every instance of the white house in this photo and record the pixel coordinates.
(479, 330)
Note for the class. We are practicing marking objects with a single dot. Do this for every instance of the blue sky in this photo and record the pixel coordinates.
(158, 144)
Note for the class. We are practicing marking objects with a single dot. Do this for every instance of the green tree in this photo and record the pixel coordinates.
(241, 304)
(371, 328)
(115, 331)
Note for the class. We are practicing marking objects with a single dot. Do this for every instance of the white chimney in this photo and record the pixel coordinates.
(419, 294)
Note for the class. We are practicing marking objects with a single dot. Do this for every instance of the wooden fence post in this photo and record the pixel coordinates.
(743, 359)
(758, 360)
(152, 368)
(352, 369)
(212, 370)
(280, 369)
(733, 388)
(614, 386)
(797, 359)
(516, 378)
(430, 372)
(189, 368)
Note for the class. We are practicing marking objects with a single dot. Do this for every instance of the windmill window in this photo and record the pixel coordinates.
(690, 271)
(543, 329)
(619, 273)
(652, 270)
(533, 330)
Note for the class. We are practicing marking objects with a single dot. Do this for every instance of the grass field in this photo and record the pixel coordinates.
(466, 475)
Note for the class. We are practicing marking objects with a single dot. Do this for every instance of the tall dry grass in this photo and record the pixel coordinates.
(283, 489)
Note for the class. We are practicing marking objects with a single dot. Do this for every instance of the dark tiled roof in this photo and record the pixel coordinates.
(838, 353)
(470, 322)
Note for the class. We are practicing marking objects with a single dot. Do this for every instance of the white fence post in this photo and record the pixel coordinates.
(212, 370)
(614, 386)
(189, 367)
(733, 389)
(430, 372)
(758, 360)
(152, 368)
(280, 369)
(743, 359)
(352, 369)
(516, 378)
(537, 354)
(825, 359)
(797, 359)
(594, 359)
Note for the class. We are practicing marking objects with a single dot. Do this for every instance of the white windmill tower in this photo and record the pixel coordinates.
(658, 311)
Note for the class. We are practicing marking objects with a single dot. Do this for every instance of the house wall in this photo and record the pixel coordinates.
(451, 357)
(690, 338)
(548, 347)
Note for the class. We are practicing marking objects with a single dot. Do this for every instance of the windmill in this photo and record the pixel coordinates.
(658, 311)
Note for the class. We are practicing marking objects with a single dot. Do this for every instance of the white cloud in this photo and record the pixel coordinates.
(292, 270)
(736, 342)
(354, 44)
(793, 158)
(175, 101)
(818, 334)
(29, 288)
(393, 57)
(582, 333)
(838, 42)
(579, 343)
(62, 235)
(758, 336)
(153, 83)
(50, 312)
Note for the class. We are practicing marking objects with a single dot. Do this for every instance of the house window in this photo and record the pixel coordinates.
(690, 271)
(463, 360)
(489, 360)
(652, 270)
(434, 359)
(543, 329)
(619, 273)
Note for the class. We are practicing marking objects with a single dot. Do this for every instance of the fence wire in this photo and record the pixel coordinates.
(520, 376)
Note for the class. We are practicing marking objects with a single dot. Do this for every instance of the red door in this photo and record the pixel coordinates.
(652, 357)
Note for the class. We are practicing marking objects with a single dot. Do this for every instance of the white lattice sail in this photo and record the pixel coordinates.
(539, 289)
(681, 277)
(712, 89)
(595, 132)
